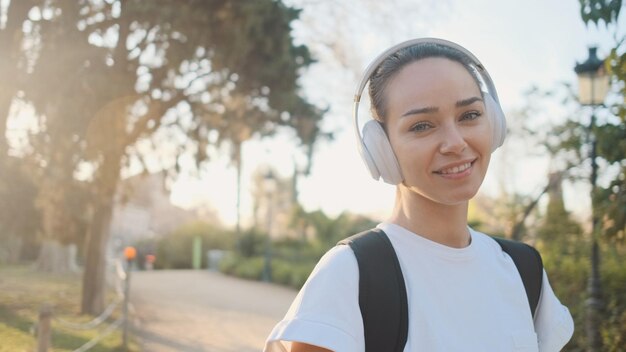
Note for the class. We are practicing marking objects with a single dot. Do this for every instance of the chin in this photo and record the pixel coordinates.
(459, 197)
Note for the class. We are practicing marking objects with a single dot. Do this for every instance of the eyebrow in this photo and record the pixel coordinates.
(430, 109)
(466, 102)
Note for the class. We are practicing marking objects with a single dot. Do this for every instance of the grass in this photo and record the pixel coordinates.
(22, 293)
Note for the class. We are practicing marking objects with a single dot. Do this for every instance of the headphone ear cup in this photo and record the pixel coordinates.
(369, 161)
(378, 154)
(497, 120)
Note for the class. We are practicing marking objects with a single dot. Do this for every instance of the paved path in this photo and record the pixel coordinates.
(202, 311)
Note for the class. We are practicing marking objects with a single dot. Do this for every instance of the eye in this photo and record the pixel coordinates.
(471, 115)
(420, 127)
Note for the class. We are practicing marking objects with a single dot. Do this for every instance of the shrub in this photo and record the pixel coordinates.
(174, 251)
(284, 272)
(251, 243)
(291, 274)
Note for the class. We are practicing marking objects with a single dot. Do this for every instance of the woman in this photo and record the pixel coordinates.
(433, 133)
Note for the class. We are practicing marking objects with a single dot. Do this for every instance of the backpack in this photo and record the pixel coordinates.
(381, 280)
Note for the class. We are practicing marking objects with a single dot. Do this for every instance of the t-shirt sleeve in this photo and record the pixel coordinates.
(326, 311)
(553, 322)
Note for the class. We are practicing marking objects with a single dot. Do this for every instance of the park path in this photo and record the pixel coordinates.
(203, 311)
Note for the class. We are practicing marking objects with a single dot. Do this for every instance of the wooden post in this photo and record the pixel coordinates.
(125, 307)
(43, 328)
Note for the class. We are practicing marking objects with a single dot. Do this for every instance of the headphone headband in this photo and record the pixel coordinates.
(380, 58)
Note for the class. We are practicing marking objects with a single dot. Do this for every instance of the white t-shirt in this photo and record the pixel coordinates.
(459, 299)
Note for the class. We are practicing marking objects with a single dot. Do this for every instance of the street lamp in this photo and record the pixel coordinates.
(269, 186)
(593, 85)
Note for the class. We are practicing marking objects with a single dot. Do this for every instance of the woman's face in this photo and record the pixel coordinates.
(438, 129)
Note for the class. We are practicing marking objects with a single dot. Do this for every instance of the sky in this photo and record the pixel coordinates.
(521, 43)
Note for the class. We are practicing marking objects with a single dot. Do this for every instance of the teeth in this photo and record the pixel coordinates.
(456, 169)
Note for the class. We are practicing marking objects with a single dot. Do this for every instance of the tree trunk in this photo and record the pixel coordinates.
(55, 257)
(94, 275)
(10, 47)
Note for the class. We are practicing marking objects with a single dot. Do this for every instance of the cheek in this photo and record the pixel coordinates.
(481, 138)
(413, 157)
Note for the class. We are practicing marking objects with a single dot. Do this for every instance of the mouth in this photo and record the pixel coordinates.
(456, 169)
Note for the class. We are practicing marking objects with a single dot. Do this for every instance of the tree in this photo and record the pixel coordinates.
(610, 201)
(18, 217)
(558, 229)
(167, 74)
(12, 57)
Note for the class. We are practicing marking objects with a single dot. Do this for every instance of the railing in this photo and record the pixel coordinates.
(46, 316)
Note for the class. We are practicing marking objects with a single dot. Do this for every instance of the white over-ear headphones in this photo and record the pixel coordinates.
(373, 143)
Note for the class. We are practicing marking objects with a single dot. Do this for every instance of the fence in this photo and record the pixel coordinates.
(122, 286)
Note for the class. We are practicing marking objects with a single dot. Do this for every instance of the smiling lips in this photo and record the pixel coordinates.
(456, 170)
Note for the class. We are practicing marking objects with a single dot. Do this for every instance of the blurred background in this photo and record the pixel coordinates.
(218, 135)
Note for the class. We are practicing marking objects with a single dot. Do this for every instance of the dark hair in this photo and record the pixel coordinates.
(379, 80)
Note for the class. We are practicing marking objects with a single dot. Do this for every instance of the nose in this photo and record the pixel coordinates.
(452, 140)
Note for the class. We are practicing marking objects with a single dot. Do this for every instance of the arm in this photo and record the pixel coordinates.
(303, 347)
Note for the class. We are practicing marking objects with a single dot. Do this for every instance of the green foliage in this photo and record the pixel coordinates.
(105, 76)
(600, 10)
(558, 230)
(292, 259)
(174, 251)
(611, 141)
(616, 67)
(328, 231)
(610, 202)
(613, 279)
(565, 255)
(284, 272)
(568, 144)
(245, 268)
(251, 243)
(293, 274)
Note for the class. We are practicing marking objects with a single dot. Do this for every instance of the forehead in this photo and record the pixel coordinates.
(432, 78)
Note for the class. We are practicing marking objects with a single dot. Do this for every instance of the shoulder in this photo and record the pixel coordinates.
(503, 245)
(337, 272)
(326, 312)
(339, 259)
(487, 243)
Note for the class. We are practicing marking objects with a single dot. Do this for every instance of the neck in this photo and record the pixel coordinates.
(444, 224)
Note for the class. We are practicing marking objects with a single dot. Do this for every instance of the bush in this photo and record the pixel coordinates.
(284, 272)
(174, 251)
(245, 268)
(251, 243)
(290, 273)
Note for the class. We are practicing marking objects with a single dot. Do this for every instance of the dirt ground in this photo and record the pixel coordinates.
(202, 311)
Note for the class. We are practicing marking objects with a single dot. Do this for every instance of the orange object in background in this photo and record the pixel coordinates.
(130, 253)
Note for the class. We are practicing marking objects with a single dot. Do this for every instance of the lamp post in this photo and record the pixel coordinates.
(269, 185)
(593, 86)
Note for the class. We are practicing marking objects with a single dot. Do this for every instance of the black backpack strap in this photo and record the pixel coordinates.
(382, 293)
(529, 265)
